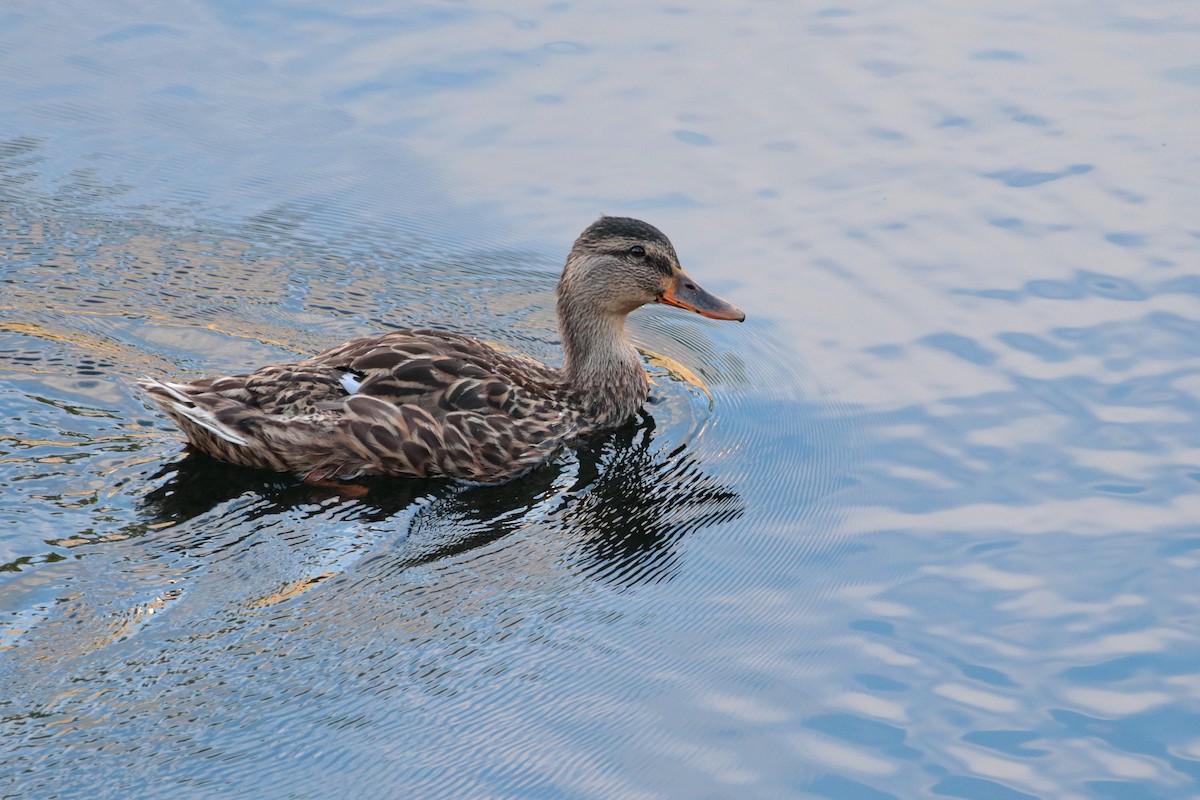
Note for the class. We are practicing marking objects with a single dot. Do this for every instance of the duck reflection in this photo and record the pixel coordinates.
(643, 498)
(623, 499)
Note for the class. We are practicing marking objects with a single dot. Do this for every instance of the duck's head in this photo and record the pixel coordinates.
(619, 264)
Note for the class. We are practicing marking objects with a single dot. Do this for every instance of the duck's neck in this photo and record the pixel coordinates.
(600, 364)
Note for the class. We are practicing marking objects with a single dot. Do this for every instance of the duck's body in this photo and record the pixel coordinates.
(428, 402)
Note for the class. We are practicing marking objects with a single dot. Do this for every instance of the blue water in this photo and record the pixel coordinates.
(932, 535)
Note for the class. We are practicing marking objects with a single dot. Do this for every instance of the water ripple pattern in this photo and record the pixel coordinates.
(923, 526)
(322, 613)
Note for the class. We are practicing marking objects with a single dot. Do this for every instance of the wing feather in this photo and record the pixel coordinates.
(415, 402)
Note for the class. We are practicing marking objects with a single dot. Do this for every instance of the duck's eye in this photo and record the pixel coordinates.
(637, 250)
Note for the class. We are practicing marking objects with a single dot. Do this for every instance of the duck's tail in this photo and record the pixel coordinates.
(178, 400)
(227, 428)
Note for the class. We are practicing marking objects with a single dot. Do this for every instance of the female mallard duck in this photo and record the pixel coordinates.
(428, 402)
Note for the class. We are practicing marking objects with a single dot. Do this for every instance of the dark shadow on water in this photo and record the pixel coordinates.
(196, 484)
(624, 498)
(643, 498)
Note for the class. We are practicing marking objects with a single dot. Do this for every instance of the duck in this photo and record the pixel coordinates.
(432, 403)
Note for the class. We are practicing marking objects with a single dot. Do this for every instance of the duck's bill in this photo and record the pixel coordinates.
(686, 293)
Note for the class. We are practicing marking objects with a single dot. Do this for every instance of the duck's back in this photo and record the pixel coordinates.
(411, 402)
(440, 372)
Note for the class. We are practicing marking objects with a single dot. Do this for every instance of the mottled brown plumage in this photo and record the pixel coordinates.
(428, 402)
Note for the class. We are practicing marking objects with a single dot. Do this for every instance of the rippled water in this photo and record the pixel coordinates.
(928, 530)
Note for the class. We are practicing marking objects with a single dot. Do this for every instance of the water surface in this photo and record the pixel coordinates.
(933, 533)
